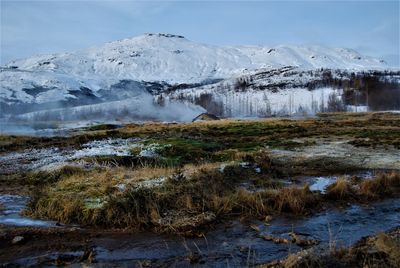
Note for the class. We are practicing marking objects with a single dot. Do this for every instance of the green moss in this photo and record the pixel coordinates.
(178, 151)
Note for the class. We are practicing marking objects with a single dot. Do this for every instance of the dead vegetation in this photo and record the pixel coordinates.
(203, 172)
(160, 198)
(382, 185)
(340, 190)
(295, 200)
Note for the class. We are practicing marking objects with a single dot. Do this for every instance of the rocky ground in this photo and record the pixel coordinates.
(380, 250)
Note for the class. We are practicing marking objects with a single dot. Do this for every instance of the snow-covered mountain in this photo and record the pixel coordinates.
(151, 63)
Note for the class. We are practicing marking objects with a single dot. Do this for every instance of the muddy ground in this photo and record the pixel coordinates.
(380, 250)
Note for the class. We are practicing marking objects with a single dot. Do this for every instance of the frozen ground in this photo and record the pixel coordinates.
(50, 158)
(342, 151)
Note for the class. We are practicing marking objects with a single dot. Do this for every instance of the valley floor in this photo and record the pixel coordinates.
(217, 193)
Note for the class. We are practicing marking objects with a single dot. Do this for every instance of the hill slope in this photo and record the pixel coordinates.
(150, 63)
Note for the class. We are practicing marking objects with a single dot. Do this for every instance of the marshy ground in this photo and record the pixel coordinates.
(218, 193)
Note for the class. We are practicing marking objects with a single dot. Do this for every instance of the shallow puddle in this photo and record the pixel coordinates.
(320, 183)
(343, 227)
(10, 213)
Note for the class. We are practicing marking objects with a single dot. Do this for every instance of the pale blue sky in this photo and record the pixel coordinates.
(36, 27)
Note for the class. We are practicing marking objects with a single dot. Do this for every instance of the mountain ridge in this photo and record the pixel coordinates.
(175, 59)
(145, 66)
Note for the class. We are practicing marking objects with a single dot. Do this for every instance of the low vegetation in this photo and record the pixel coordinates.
(340, 190)
(362, 129)
(382, 185)
(158, 198)
(181, 177)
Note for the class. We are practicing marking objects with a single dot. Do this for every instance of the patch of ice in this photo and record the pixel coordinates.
(244, 164)
(11, 214)
(357, 108)
(222, 168)
(121, 186)
(320, 183)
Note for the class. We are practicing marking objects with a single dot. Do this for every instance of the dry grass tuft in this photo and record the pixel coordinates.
(340, 190)
(190, 170)
(294, 200)
(382, 185)
(249, 203)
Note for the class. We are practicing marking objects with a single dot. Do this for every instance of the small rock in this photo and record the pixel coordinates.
(276, 240)
(296, 239)
(18, 239)
(268, 218)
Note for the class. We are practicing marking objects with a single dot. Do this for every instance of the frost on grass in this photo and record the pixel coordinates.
(152, 150)
(118, 147)
(52, 158)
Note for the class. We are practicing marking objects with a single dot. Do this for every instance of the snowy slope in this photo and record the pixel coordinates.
(117, 79)
(170, 58)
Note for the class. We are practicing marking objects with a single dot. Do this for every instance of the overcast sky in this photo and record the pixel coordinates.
(37, 27)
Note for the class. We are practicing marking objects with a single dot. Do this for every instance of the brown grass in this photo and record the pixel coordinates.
(92, 198)
(295, 200)
(249, 203)
(95, 198)
(390, 247)
(383, 185)
(340, 190)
